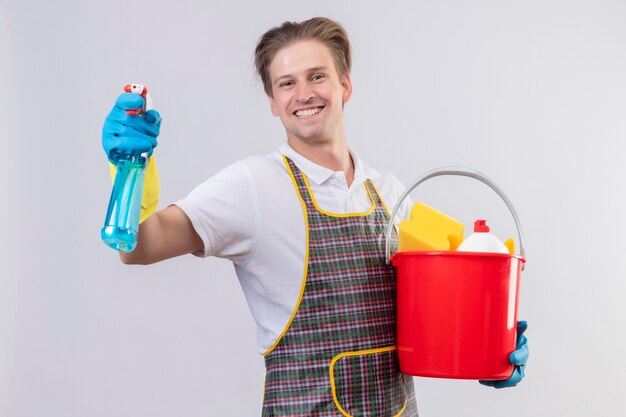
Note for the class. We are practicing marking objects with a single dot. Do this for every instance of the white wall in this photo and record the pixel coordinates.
(532, 93)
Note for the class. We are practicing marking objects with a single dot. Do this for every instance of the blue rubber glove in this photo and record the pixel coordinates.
(124, 134)
(517, 358)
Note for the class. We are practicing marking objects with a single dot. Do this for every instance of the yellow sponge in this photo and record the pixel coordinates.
(510, 245)
(429, 230)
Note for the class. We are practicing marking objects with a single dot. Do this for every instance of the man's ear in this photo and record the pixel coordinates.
(346, 84)
(273, 106)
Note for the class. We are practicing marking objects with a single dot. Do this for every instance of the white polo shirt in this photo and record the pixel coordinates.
(250, 214)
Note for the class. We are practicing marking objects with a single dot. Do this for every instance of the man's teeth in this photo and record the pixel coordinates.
(308, 112)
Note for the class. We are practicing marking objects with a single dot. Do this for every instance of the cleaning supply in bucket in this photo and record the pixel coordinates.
(510, 245)
(429, 230)
(482, 240)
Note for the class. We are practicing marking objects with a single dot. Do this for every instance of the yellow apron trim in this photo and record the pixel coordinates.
(306, 259)
(357, 353)
(395, 226)
(380, 198)
(328, 213)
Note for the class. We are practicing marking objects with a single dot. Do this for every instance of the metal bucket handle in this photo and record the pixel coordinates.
(463, 172)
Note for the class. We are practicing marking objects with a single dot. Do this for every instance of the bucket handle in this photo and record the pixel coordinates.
(459, 171)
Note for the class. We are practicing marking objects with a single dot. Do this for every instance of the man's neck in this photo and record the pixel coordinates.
(332, 155)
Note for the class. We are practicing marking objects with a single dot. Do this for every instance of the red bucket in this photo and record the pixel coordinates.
(457, 311)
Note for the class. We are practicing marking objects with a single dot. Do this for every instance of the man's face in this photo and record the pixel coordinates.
(308, 92)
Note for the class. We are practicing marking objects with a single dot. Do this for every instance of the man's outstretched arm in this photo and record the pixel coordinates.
(163, 235)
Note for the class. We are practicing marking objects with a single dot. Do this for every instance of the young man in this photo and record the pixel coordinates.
(304, 228)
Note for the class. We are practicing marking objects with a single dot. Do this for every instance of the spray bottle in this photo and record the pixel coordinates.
(122, 220)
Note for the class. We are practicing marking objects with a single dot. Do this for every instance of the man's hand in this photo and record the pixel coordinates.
(127, 134)
(517, 358)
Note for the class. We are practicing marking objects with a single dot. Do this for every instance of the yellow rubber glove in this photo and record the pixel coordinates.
(150, 199)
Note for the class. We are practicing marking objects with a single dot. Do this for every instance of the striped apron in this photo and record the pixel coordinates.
(337, 355)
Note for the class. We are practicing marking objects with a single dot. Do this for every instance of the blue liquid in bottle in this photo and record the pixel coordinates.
(122, 221)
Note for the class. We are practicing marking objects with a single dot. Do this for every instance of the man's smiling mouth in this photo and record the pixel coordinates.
(308, 112)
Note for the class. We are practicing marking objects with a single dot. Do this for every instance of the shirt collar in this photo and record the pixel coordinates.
(320, 174)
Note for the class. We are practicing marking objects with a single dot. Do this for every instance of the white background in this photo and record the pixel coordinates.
(532, 93)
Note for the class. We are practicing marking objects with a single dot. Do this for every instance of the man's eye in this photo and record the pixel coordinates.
(317, 77)
(286, 84)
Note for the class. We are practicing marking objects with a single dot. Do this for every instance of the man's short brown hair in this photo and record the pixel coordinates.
(322, 29)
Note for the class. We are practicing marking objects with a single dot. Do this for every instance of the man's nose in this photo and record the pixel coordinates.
(304, 92)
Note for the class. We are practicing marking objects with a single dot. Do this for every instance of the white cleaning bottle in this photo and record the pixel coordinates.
(482, 241)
